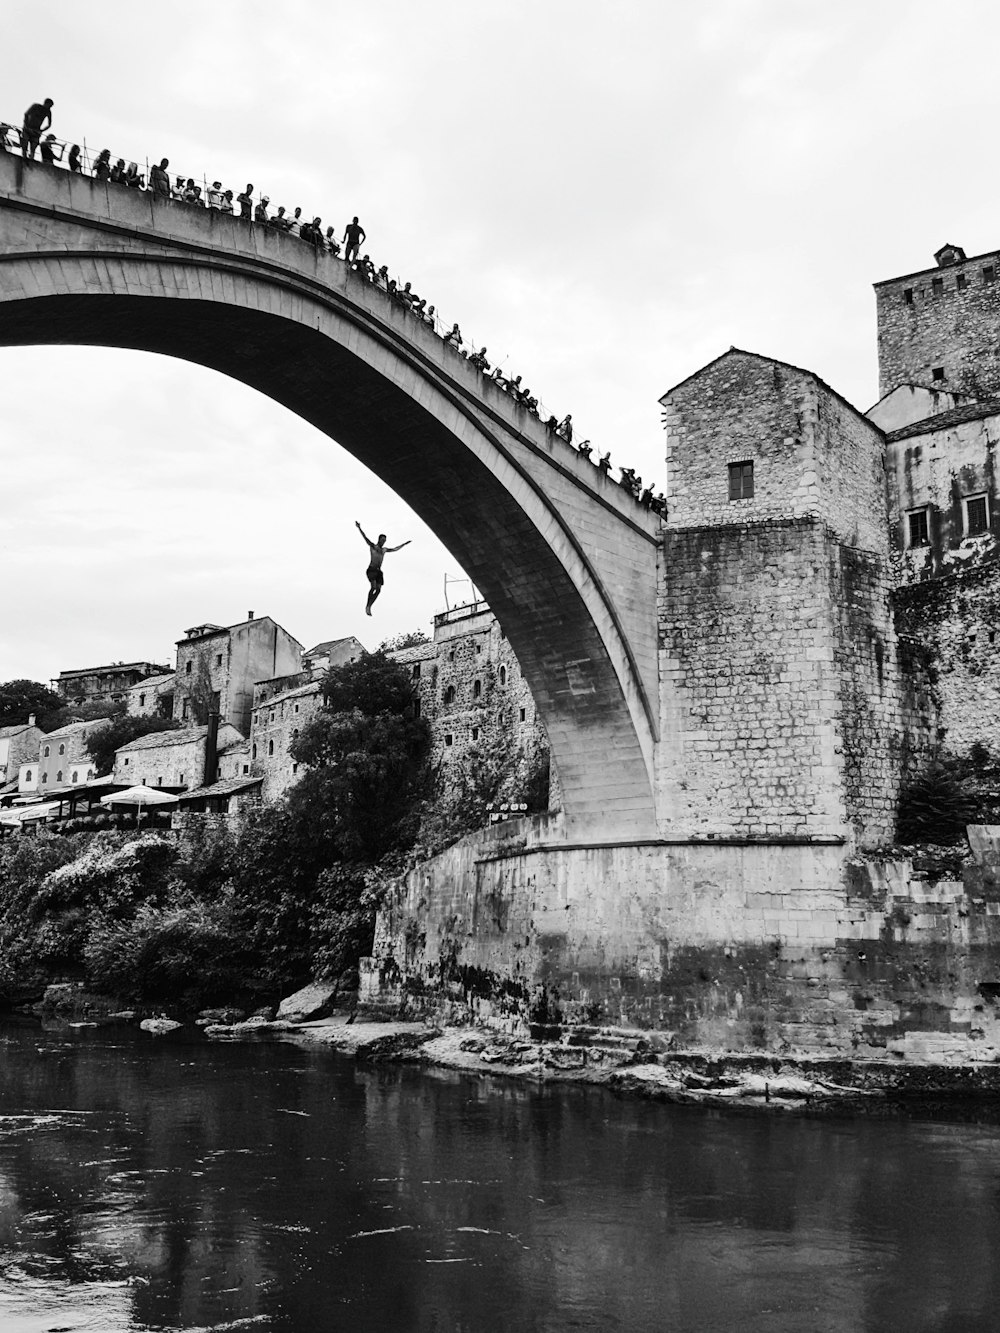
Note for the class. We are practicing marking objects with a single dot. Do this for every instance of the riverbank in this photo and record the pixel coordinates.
(622, 1062)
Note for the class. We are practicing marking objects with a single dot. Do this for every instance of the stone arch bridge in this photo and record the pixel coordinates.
(566, 559)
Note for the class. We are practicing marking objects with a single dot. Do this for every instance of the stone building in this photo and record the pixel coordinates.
(152, 697)
(18, 745)
(104, 684)
(61, 759)
(280, 712)
(181, 760)
(330, 653)
(218, 667)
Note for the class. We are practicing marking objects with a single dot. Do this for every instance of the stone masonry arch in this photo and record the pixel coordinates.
(565, 558)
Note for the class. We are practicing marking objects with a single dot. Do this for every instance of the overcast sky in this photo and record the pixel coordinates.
(608, 195)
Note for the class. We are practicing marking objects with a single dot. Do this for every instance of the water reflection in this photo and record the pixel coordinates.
(171, 1185)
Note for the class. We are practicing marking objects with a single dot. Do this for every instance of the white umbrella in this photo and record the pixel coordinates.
(139, 796)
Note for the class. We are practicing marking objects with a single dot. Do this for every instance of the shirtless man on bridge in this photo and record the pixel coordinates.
(377, 553)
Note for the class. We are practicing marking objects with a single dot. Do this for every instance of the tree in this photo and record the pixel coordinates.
(411, 638)
(20, 698)
(102, 743)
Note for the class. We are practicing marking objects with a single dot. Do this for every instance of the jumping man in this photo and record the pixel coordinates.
(377, 553)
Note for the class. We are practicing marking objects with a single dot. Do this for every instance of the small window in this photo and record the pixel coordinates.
(977, 515)
(270, 747)
(253, 754)
(937, 287)
(479, 648)
(449, 695)
(524, 714)
(503, 675)
(126, 761)
(246, 769)
(416, 708)
(142, 701)
(180, 779)
(185, 708)
(448, 738)
(741, 481)
(62, 749)
(27, 776)
(295, 767)
(937, 373)
(295, 733)
(45, 776)
(451, 655)
(989, 273)
(415, 671)
(46, 752)
(961, 282)
(296, 708)
(159, 782)
(475, 733)
(477, 689)
(75, 777)
(918, 528)
(908, 296)
(59, 776)
(271, 717)
(218, 659)
(187, 668)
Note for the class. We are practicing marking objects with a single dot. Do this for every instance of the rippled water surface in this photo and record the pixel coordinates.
(173, 1184)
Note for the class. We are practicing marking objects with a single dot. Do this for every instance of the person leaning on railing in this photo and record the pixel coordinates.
(37, 118)
(159, 181)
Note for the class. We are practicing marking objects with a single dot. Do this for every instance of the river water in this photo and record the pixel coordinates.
(179, 1184)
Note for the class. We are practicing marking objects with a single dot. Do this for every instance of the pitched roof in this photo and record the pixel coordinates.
(329, 644)
(970, 412)
(417, 652)
(72, 727)
(313, 687)
(15, 729)
(152, 682)
(225, 787)
(182, 736)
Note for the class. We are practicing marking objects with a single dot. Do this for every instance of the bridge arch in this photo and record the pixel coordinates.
(564, 557)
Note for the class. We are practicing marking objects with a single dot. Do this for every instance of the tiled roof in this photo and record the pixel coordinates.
(72, 728)
(183, 736)
(970, 412)
(299, 692)
(224, 788)
(420, 652)
(152, 682)
(13, 730)
(329, 644)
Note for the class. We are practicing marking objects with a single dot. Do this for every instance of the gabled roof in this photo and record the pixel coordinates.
(970, 412)
(72, 728)
(16, 728)
(155, 739)
(328, 644)
(153, 682)
(417, 652)
(313, 687)
(226, 787)
(785, 365)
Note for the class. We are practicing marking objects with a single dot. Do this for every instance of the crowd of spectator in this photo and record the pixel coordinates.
(29, 140)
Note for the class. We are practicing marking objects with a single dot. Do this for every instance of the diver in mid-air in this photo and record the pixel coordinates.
(377, 553)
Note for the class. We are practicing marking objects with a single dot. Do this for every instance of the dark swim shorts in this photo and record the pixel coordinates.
(375, 575)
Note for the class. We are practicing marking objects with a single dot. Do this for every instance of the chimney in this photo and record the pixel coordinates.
(249, 615)
(211, 750)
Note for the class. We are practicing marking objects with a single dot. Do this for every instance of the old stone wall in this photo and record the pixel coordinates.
(936, 468)
(953, 621)
(777, 948)
(276, 722)
(944, 319)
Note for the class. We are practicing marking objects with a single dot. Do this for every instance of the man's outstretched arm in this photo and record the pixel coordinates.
(399, 547)
(363, 533)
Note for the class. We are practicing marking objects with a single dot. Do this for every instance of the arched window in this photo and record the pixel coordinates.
(62, 749)
(270, 747)
(45, 778)
(27, 776)
(59, 776)
(477, 689)
(295, 733)
(90, 774)
(75, 777)
(449, 695)
(45, 753)
(503, 675)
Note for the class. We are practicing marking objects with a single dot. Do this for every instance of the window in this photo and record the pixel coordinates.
(59, 776)
(271, 716)
(937, 373)
(477, 689)
(45, 776)
(126, 761)
(46, 752)
(296, 708)
(475, 733)
(246, 769)
(270, 747)
(62, 749)
(503, 675)
(180, 779)
(295, 767)
(977, 515)
(449, 695)
(989, 273)
(218, 659)
(908, 296)
(961, 282)
(937, 287)
(90, 774)
(451, 655)
(187, 668)
(185, 708)
(142, 701)
(253, 752)
(27, 776)
(918, 529)
(416, 708)
(415, 671)
(479, 648)
(75, 777)
(524, 714)
(159, 782)
(741, 481)
(448, 738)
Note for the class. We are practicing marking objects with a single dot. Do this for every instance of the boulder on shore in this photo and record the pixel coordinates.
(158, 1026)
(312, 1001)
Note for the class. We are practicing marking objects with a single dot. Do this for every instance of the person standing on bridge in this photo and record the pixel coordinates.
(38, 117)
(377, 551)
(354, 236)
(159, 179)
(245, 201)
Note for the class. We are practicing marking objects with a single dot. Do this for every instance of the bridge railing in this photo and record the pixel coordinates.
(81, 159)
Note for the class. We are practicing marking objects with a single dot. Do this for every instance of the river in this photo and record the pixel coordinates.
(179, 1184)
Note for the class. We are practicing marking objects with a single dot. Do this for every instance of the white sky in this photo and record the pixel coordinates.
(609, 194)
